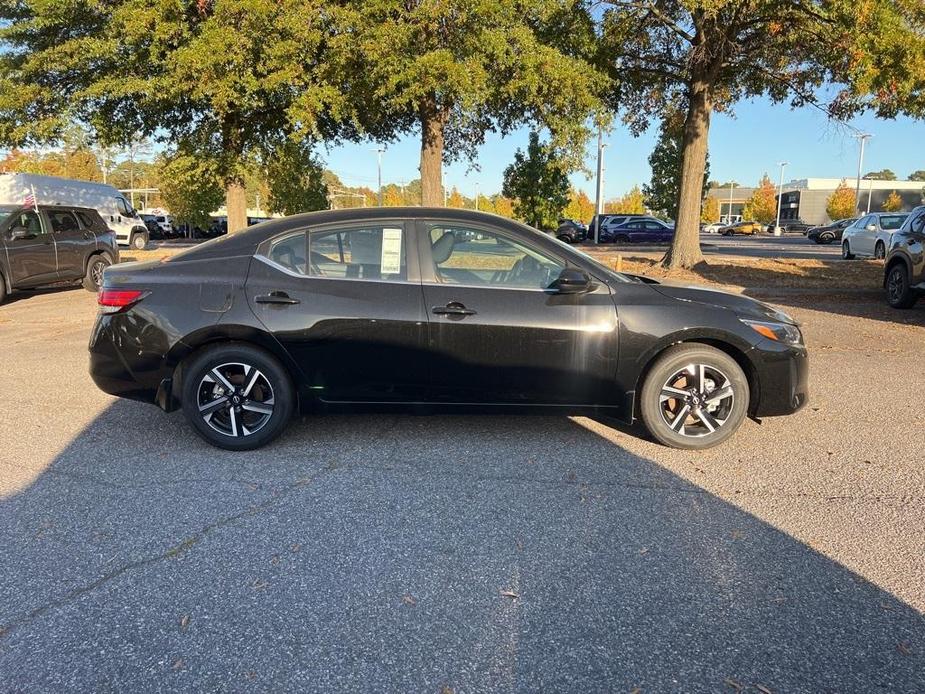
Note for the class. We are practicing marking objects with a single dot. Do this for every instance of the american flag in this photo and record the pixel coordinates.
(29, 202)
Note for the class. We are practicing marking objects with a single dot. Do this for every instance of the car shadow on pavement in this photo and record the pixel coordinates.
(417, 553)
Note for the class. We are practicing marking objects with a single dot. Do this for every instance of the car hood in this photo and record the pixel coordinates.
(742, 305)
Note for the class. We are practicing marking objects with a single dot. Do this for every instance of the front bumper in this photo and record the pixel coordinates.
(783, 379)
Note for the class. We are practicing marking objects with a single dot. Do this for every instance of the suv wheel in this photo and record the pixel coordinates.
(899, 293)
(879, 251)
(694, 397)
(93, 280)
(236, 396)
(139, 241)
(846, 253)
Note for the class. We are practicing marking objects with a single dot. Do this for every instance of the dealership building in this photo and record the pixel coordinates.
(805, 199)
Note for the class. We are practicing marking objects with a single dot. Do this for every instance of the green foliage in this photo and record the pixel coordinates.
(296, 180)
(191, 188)
(883, 175)
(841, 203)
(917, 175)
(538, 184)
(661, 193)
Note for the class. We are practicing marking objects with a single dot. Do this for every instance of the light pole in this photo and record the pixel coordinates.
(729, 214)
(780, 195)
(862, 138)
(599, 199)
(379, 151)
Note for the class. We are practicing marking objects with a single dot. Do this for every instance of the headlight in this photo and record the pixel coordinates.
(779, 332)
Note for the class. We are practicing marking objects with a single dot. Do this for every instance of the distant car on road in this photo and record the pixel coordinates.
(869, 237)
(747, 228)
(640, 231)
(713, 228)
(608, 221)
(571, 231)
(828, 233)
(904, 270)
(362, 308)
(56, 243)
(791, 226)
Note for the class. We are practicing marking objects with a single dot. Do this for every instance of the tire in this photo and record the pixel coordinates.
(93, 279)
(709, 427)
(728, 233)
(226, 425)
(826, 239)
(846, 253)
(139, 241)
(564, 238)
(2, 289)
(899, 292)
(879, 251)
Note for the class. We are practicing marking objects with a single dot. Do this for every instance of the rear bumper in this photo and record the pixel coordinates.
(122, 367)
(783, 379)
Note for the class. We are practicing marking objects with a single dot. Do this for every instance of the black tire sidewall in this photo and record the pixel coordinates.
(284, 397)
(879, 251)
(846, 253)
(908, 297)
(673, 359)
(88, 282)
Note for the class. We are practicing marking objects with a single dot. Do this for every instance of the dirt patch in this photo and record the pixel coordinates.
(755, 272)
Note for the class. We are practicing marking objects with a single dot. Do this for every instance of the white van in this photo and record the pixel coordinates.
(51, 190)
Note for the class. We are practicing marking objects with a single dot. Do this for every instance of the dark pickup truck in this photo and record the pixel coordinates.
(53, 244)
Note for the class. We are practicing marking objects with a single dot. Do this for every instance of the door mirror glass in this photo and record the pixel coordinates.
(572, 281)
(871, 227)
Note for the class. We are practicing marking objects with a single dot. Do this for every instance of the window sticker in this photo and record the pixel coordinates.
(391, 251)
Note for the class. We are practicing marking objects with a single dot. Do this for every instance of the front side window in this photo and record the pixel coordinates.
(124, 208)
(63, 221)
(483, 258)
(362, 253)
(25, 219)
(918, 224)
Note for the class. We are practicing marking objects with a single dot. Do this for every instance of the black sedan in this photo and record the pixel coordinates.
(436, 308)
(830, 232)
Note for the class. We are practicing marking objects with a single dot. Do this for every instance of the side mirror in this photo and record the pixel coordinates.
(21, 233)
(572, 281)
(871, 227)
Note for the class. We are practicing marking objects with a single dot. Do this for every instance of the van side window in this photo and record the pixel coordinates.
(124, 208)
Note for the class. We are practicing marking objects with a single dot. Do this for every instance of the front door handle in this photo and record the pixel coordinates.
(454, 308)
(276, 298)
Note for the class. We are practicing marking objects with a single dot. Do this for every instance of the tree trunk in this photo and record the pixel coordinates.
(236, 205)
(433, 120)
(685, 249)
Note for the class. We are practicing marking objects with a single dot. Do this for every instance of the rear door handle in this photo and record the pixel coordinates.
(276, 298)
(454, 308)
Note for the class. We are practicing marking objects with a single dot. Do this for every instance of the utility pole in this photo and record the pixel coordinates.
(476, 196)
(780, 195)
(599, 197)
(379, 151)
(729, 214)
(862, 138)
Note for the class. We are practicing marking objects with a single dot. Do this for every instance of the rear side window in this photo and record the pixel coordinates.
(364, 253)
(289, 252)
(63, 221)
(87, 219)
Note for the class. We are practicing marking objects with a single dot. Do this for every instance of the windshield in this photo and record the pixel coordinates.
(893, 222)
(6, 211)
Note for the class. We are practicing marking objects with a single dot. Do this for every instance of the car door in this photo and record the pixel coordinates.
(865, 234)
(73, 242)
(497, 332)
(345, 301)
(30, 249)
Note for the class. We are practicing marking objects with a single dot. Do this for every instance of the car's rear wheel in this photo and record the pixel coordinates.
(564, 238)
(93, 280)
(236, 396)
(899, 292)
(694, 397)
(846, 253)
(879, 251)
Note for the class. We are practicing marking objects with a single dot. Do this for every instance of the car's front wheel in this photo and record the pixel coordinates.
(236, 396)
(139, 241)
(695, 396)
(899, 292)
(846, 253)
(879, 251)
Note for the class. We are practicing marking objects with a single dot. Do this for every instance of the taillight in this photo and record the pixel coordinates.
(116, 300)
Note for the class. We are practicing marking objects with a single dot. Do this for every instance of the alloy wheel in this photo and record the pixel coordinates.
(96, 272)
(879, 252)
(697, 400)
(235, 399)
(896, 284)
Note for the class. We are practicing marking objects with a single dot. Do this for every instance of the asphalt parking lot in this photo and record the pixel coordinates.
(793, 246)
(460, 554)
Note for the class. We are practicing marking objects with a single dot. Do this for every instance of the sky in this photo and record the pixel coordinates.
(743, 147)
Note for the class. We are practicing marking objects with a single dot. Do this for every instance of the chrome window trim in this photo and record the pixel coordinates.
(289, 272)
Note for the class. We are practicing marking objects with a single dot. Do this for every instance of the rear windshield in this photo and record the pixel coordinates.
(892, 222)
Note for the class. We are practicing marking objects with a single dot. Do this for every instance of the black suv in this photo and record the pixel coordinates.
(904, 271)
(571, 231)
(53, 244)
